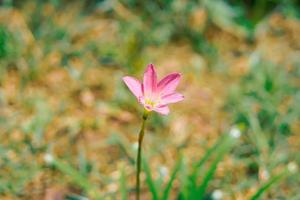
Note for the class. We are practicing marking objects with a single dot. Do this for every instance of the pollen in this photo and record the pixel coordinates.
(150, 102)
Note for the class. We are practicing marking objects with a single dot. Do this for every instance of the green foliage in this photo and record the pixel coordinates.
(264, 104)
(19, 174)
(267, 92)
(9, 46)
(275, 179)
(192, 187)
(36, 126)
(158, 191)
(123, 189)
(77, 177)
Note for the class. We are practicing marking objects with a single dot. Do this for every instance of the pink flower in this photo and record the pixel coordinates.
(152, 95)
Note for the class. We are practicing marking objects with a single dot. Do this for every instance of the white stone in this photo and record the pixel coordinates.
(292, 167)
(217, 195)
(135, 146)
(48, 158)
(164, 171)
(235, 132)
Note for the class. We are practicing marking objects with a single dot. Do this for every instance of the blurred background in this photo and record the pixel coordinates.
(69, 125)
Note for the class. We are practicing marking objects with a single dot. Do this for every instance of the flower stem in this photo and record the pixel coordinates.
(139, 155)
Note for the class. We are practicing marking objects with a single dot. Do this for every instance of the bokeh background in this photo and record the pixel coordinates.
(69, 125)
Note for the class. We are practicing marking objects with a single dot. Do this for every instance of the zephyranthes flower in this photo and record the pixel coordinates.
(154, 95)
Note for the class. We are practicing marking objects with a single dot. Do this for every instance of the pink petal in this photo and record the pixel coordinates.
(168, 84)
(164, 110)
(150, 80)
(134, 86)
(172, 98)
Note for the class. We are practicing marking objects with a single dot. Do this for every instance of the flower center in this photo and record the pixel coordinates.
(150, 102)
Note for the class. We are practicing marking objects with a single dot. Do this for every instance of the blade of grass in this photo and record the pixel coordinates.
(184, 181)
(124, 145)
(75, 197)
(123, 189)
(208, 154)
(77, 178)
(194, 175)
(149, 180)
(224, 148)
(259, 137)
(168, 187)
(268, 184)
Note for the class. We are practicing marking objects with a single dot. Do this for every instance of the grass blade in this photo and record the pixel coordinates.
(194, 175)
(268, 184)
(184, 181)
(123, 189)
(209, 152)
(224, 148)
(77, 178)
(75, 197)
(149, 179)
(168, 187)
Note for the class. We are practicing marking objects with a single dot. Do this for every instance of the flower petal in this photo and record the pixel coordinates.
(134, 86)
(164, 110)
(172, 98)
(150, 80)
(168, 84)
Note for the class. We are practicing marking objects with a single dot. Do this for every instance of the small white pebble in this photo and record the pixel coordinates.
(135, 146)
(292, 167)
(235, 132)
(217, 195)
(48, 158)
(164, 171)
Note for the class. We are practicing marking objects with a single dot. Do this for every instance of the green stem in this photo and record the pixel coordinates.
(139, 155)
